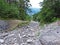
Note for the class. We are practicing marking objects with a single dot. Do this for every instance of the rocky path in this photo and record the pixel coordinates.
(32, 34)
(27, 35)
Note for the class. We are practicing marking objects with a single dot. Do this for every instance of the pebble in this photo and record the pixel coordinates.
(19, 35)
(29, 41)
(16, 44)
(25, 36)
(1, 41)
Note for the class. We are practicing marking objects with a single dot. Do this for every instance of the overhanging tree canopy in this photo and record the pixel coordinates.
(50, 11)
(13, 9)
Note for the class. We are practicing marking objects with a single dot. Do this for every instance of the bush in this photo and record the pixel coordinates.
(8, 11)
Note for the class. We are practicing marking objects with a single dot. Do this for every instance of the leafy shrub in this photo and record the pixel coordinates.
(8, 11)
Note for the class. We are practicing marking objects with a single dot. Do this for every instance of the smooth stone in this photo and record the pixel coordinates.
(16, 44)
(29, 41)
(50, 37)
(1, 41)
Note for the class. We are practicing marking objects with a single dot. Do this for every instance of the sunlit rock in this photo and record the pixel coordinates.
(50, 37)
(1, 40)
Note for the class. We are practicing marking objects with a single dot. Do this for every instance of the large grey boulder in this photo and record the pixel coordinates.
(8, 24)
(3, 24)
(50, 37)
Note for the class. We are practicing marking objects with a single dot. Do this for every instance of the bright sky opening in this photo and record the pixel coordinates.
(35, 3)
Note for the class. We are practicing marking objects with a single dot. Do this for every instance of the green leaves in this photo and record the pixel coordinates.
(13, 10)
(50, 11)
(22, 9)
(8, 11)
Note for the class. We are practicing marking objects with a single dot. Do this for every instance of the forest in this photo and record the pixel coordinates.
(50, 12)
(14, 9)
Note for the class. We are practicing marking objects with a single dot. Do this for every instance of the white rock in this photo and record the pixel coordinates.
(51, 37)
(29, 40)
(23, 44)
(10, 35)
(19, 35)
(1, 41)
(23, 35)
(28, 26)
(32, 29)
(16, 44)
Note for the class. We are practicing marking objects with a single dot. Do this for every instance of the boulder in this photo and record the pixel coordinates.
(8, 24)
(50, 37)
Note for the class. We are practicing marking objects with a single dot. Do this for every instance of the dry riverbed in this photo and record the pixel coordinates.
(32, 34)
(26, 35)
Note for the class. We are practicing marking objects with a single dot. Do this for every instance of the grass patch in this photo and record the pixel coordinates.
(19, 25)
(13, 24)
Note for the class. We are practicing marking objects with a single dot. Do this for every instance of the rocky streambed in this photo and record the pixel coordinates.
(26, 35)
(32, 34)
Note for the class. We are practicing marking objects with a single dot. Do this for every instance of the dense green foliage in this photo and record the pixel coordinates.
(50, 11)
(23, 7)
(7, 10)
(14, 10)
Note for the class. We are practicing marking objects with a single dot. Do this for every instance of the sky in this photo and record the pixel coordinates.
(35, 3)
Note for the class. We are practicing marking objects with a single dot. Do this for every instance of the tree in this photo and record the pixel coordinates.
(50, 11)
(8, 11)
(13, 9)
(23, 7)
